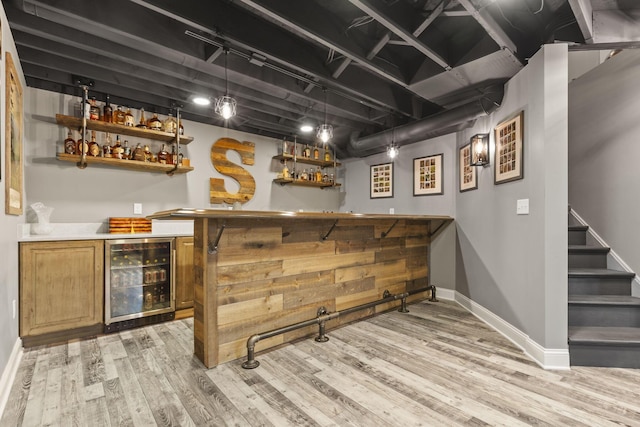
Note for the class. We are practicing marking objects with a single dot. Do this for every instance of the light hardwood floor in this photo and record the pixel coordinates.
(437, 365)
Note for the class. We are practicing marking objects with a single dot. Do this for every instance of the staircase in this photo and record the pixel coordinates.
(604, 319)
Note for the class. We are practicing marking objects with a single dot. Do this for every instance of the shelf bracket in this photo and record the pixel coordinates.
(177, 142)
(434, 232)
(212, 247)
(82, 164)
(330, 230)
(386, 233)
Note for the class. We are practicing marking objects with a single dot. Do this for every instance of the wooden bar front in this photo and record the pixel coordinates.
(273, 269)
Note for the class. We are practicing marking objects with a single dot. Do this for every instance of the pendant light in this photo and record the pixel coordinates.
(225, 105)
(392, 150)
(325, 130)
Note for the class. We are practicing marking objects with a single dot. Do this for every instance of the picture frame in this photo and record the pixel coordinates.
(13, 139)
(428, 176)
(468, 175)
(381, 181)
(508, 153)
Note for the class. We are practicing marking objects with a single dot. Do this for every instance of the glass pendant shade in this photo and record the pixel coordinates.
(325, 133)
(225, 107)
(392, 151)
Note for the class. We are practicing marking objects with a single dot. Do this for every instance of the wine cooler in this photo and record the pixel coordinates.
(139, 282)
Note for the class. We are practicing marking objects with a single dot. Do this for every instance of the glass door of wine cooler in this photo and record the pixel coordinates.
(139, 278)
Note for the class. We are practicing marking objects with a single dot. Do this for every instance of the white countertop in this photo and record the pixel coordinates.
(98, 230)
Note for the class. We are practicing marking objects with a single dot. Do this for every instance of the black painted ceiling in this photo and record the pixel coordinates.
(377, 63)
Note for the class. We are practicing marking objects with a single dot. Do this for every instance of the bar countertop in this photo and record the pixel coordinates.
(221, 213)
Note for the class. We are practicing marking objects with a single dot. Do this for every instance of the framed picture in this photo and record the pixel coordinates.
(382, 181)
(427, 175)
(468, 173)
(13, 139)
(508, 162)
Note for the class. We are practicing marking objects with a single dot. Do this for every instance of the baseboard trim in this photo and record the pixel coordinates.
(547, 358)
(9, 374)
(612, 256)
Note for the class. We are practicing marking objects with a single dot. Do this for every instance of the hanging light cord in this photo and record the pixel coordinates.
(226, 78)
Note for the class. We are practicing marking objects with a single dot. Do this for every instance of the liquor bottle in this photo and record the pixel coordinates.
(118, 116)
(318, 175)
(304, 176)
(142, 123)
(307, 152)
(327, 155)
(94, 148)
(126, 150)
(82, 146)
(285, 171)
(148, 156)
(128, 118)
(94, 110)
(154, 122)
(107, 112)
(316, 153)
(173, 158)
(170, 125)
(163, 155)
(138, 153)
(181, 128)
(70, 144)
(106, 147)
(117, 150)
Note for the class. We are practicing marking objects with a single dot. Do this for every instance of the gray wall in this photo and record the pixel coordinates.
(8, 224)
(604, 152)
(96, 193)
(356, 179)
(516, 265)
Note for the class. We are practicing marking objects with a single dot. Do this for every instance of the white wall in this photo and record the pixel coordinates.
(8, 235)
(516, 265)
(96, 193)
(604, 152)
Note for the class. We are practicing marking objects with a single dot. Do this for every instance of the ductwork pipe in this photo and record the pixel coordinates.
(443, 123)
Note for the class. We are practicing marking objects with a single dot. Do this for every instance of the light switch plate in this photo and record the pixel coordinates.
(522, 207)
(137, 208)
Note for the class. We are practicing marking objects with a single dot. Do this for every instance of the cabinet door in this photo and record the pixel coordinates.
(184, 272)
(61, 286)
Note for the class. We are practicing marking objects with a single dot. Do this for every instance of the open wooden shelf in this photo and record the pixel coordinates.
(305, 183)
(125, 164)
(306, 160)
(100, 126)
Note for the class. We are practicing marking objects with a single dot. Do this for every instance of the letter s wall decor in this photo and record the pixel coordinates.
(217, 191)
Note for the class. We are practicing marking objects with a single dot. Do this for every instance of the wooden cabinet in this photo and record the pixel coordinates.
(116, 129)
(61, 290)
(184, 272)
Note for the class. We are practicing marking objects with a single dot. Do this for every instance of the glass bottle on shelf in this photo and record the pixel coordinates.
(307, 152)
(118, 116)
(70, 144)
(94, 148)
(285, 171)
(154, 122)
(170, 124)
(117, 150)
(316, 153)
(163, 155)
(148, 156)
(327, 154)
(82, 146)
(106, 147)
(107, 111)
(138, 153)
(126, 150)
(142, 123)
(318, 175)
(128, 118)
(181, 128)
(94, 110)
(304, 176)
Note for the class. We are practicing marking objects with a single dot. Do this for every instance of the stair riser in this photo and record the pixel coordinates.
(599, 286)
(577, 237)
(587, 260)
(601, 315)
(604, 355)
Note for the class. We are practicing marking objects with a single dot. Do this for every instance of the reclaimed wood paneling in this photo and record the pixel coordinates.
(271, 273)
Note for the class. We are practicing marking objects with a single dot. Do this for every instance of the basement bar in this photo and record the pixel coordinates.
(258, 270)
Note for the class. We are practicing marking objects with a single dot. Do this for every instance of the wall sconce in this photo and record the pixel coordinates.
(479, 152)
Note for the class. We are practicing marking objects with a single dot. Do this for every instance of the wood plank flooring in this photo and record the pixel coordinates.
(435, 366)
